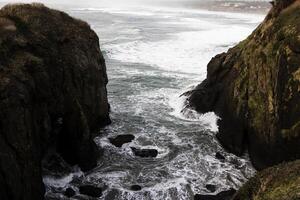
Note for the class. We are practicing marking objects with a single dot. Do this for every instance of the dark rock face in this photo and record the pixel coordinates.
(144, 153)
(91, 191)
(69, 192)
(280, 182)
(224, 195)
(52, 92)
(121, 139)
(55, 165)
(254, 88)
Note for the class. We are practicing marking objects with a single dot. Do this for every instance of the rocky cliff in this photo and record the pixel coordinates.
(255, 89)
(52, 93)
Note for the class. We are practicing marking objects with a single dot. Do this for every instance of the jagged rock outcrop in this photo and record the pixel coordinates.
(255, 89)
(280, 182)
(52, 92)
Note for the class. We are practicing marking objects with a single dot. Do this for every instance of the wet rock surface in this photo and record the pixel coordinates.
(219, 156)
(90, 190)
(121, 139)
(69, 192)
(145, 153)
(254, 88)
(211, 188)
(135, 188)
(52, 93)
(224, 195)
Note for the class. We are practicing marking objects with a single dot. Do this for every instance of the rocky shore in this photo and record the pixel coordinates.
(254, 88)
(53, 101)
(52, 95)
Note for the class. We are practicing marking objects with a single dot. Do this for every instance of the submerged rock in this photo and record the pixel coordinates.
(136, 188)
(219, 156)
(281, 182)
(52, 93)
(211, 188)
(145, 152)
(224, 195)
(121, 139)
(254, 88)
(91, 191)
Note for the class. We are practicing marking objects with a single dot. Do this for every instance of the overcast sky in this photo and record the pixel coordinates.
(105, 1)
(100, 3)
(95, 3)
(83, 2)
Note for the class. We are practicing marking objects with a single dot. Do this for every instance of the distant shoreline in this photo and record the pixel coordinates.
(259, 7)
(238, 6)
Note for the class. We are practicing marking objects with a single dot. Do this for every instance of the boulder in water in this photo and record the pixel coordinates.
(136, 188)
(69, 192)
(121, 139)
(211, 188)
(219, 156)
(224, 195)
(90, 190)
(144, 153)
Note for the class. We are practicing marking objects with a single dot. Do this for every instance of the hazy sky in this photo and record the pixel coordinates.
(91, 2)
(100, 3)
(95, 2)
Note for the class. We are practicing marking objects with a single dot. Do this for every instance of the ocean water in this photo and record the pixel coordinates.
(153, 55)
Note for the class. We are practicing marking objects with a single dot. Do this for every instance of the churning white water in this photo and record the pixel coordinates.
(153, 55)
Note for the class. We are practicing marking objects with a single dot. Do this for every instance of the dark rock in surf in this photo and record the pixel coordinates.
(254, 88)
(69, 192)
(224, 195)
(90, 190)
(57, 196)
(211, 188)
(52, 93)
(219, 156)
(144, 153)
(135, 188)
(121, 139)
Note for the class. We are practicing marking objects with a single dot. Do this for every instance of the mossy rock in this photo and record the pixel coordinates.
(281, 182)
(254, 88)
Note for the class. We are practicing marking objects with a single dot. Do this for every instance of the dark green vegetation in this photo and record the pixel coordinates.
(280, 182)
(52, 94)
(255, 89)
